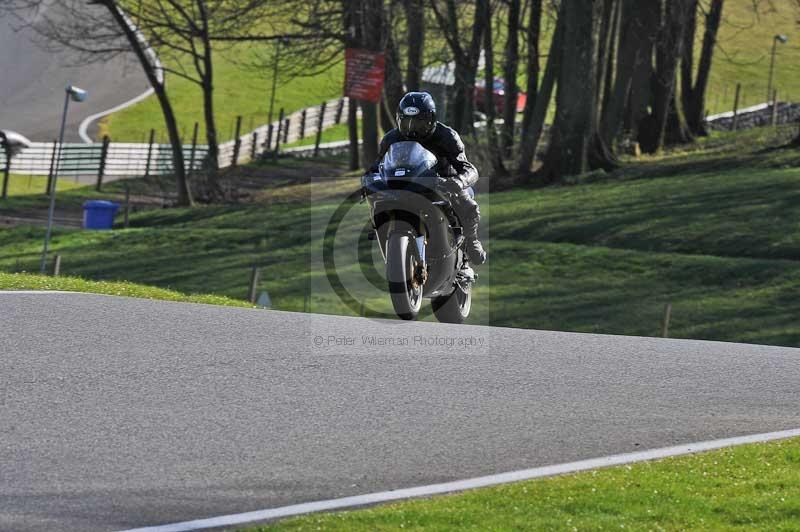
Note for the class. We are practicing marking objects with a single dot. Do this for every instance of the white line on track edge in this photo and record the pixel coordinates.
(3, 292)
(84, 126)
(82, 129)
(461, 485)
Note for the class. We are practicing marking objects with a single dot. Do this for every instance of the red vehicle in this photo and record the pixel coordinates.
(499, 91)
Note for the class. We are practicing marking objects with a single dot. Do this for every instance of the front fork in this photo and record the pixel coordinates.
(421, 242)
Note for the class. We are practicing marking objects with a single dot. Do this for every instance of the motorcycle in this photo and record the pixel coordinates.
(420, 237)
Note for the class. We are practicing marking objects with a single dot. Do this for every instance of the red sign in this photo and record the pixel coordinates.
(363, 78)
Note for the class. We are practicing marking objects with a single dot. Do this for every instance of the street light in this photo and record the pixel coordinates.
(783, 39)
(76, 95)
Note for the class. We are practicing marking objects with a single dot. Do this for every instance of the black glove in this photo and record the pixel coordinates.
(452, 185)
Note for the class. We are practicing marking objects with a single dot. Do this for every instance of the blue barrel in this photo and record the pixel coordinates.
(99, 214)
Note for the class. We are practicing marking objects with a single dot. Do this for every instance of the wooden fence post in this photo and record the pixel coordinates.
(774, 107)
(6, 170)
(127, 211)
(278, 135)
(286, 129)
(237, 141)
(149, 153)
(319, 127)
(736, 107)
(665, 320)
(268, 142)
(303, 124)
(193, 152)
(251, 293)
(103, 159)
(254, 146)
(339, 110)
(57, 265)
(52, 168)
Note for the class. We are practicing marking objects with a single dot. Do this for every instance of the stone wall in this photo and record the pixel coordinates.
(758, 117)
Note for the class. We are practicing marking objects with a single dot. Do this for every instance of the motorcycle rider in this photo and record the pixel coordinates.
(416, 121)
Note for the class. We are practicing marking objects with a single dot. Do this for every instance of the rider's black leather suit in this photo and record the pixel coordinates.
(446, 145)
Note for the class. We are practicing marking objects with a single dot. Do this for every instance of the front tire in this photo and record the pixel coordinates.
(453, 308)
(401, 262)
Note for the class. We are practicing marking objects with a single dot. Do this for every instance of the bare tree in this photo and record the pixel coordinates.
(415, 21)
(99, 31)
(182, 31)
(495, 153)
(393, 88)
(629, 96)
(695, 95)
(510, 66)
(532, 132)
(575, 145)
(465, 56)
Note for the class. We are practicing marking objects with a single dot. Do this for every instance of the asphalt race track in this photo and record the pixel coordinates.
(118, 412)
(32, 83)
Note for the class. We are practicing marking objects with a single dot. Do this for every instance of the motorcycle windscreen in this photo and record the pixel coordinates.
(408, 159)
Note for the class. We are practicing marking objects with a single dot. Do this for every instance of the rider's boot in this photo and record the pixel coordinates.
(470, 215)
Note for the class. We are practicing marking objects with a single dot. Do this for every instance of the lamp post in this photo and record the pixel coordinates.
(285, 42)
(783, 39)
(76, 95)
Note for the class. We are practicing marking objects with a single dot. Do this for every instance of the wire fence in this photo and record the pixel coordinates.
(105, 161)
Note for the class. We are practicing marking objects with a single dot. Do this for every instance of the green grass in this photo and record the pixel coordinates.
(750, 487)
(238, 91)
(331, 134)
(25, 281)
(713, 232)
(743, 53)
(26, 185)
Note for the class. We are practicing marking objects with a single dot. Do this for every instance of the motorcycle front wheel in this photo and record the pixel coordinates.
(401, 262)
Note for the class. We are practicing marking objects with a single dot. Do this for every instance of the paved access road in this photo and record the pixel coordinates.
(32, 82)
(118, 412)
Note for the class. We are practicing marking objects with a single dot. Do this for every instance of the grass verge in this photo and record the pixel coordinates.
(710, 232)
(29, 185)
(750, 487)
(24, 281)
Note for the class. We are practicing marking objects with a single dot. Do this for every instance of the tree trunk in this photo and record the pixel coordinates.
(532, 68)
(415, 20)
(352, 130)
(677, 131)
(638, 25)
(206, 72)
(178, 166)
(495, 154)
(529, 142)
(687, 56)
(575, 146)
(352, 30)
(605, 51)
(510, 76)
(668, 52)
(372, 37)
(208, 114)
(696, 109)
(473, 55)
(393, 82)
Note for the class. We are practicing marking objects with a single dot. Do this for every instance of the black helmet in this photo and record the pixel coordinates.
(416, 115)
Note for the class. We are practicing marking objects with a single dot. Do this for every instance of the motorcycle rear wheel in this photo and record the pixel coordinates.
(453, 308)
